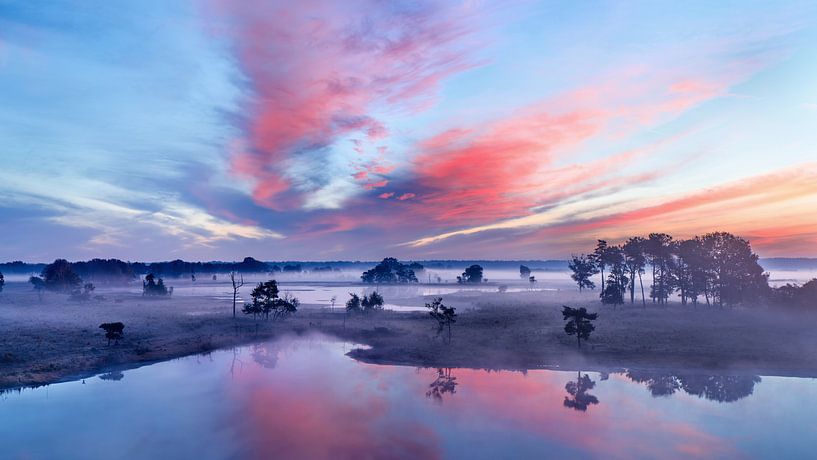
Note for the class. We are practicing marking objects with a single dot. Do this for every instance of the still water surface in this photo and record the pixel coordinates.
(303, 398)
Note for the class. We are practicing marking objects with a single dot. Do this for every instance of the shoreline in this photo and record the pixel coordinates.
(57, 341)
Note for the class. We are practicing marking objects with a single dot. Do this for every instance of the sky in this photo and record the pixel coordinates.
(361, 129)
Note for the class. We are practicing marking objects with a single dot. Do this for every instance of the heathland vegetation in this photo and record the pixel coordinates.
(512, 328)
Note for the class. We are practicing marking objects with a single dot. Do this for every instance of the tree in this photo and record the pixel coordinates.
(237, 284)
(472, 274)
(658, 248)
(524, 272)
(285, 306)
(58, 276)
(39, 286)
(353, 305)
(2, 281)
(153, 287)
(737, 275)
(390, 270)
(263, 297)
(83, 295)
(579, 322)
(583, 268)
(445, 316)
(578, 397)
(794, 295)
(616, 284)
(371, 303)
(599, 257)
(635, 260)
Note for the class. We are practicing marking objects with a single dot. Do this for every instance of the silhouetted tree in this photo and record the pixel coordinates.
(737, 276)
(285, 306)
(2, 281)
(794, 295)
(83, 295)
(39, 286)
(524, 272)
(104, 271)
(579, 322)
(578, 397)
(153, 287)
(635, 260)
(616, 285)
(599, 257)
(353, 305)
(582, 268)
(263, 297)
(372, 303)
(390, 270)
(237, 284)
(445, 316)
(58, 276)
(444, 383)
(472, 274)
(658, 248)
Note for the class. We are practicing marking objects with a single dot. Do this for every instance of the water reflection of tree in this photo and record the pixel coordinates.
(578, 397)
(114, 376)
(444, 383)
(266, 354)
(721, 388)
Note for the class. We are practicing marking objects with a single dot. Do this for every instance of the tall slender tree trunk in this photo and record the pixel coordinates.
(643, 298)
(602, 281)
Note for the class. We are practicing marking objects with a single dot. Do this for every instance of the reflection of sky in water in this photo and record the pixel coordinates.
(304, 399)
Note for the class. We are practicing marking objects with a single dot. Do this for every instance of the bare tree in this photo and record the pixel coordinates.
(236, 286)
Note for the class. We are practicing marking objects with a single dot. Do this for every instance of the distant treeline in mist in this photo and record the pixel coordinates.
(178, 268)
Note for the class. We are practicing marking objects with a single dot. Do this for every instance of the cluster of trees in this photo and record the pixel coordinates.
(366, 304)
(153, 286)
(59, 276)
(719, 267)
(265, 301)
(794, 295)
(104, 271)
(390, 271)
(84, 294)
(178, 268)
(472, 274)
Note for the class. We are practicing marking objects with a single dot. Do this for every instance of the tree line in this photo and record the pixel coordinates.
(717, 268)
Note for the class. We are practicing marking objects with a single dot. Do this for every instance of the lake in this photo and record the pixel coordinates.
(301, 397)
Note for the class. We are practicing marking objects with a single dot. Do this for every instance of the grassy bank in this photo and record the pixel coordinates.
(54, 340)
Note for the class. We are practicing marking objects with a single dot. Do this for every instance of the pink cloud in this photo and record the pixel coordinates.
(386, 195)
(374, 185)
(406, 196)
(316, 68)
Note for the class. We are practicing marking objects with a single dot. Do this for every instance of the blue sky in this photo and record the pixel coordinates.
(361, 129)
